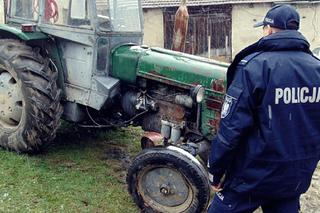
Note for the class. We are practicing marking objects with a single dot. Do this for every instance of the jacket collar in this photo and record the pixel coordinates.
(287, 40)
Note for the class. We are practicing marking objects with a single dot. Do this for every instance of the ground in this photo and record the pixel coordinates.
(310, 202)
(84, 172)
(81, 172)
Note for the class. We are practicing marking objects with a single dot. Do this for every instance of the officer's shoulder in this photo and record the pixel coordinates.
(316, 57)
(246, 60)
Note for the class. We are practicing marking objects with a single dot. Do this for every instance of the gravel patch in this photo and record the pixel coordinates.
(310, 201)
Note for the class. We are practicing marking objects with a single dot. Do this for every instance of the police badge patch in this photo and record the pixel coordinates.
(228, 102)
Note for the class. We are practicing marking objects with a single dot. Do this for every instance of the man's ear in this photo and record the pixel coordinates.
(267, 30)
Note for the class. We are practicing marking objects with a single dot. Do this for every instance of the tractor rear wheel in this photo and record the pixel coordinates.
(30, 107)
(168, 180)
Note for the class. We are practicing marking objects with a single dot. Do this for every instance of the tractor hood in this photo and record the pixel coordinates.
(170, 67)
(130, 62)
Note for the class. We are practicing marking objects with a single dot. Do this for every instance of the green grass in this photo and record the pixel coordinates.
(82, 172)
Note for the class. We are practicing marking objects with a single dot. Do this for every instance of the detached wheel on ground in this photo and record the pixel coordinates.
(168, 180)
(29, 98)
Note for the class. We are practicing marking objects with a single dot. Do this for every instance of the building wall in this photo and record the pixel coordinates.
(153, 27)
(1, 12)
(310, 23)
(246, 15)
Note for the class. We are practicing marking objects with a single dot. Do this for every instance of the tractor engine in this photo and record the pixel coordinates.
(178, 95)
(172, 112)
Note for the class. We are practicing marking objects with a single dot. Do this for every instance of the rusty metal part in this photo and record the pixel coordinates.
(214, 123)
(219, 85)
(213, 103)
(171, 112)
(165, 188)
(166, 111)
(151, 139)
(11, 104)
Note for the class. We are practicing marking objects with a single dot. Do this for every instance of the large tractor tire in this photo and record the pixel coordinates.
(30, 107)
(168, 180)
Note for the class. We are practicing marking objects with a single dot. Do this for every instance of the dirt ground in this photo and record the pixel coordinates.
(310, 202)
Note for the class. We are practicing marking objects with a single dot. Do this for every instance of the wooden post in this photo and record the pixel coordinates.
(227, 48)
(180, 27)
(209, 46)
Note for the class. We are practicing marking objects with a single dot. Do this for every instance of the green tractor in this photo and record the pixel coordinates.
(82, 61)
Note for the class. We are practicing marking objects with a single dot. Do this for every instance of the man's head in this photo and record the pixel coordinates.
(280, 17)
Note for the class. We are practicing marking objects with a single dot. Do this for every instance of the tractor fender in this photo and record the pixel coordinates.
(12, 32)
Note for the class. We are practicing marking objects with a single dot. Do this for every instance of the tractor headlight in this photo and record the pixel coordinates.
(197, 93)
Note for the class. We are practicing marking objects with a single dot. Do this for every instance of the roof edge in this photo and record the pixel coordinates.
(231, 2)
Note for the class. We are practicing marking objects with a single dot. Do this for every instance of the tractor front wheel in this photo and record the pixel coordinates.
(168, 180)
(29, 98)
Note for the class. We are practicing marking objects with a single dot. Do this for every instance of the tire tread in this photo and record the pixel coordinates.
(43, 108)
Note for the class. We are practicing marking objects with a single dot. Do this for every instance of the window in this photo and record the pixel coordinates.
(67, 12)
(25, 9)
(103, 13)
(119, 15)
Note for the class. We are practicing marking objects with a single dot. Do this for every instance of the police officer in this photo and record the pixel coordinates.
(268, 144)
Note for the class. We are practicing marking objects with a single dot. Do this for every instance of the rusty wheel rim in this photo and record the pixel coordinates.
(165, 189)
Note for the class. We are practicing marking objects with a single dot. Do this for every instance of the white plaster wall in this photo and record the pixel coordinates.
(310, 23)
(1, 12)
(153, 28)
(246, 15)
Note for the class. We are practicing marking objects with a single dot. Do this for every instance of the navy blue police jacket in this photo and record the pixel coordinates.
(268, 142)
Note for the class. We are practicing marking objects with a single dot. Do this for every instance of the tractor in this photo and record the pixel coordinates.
(83, 61)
